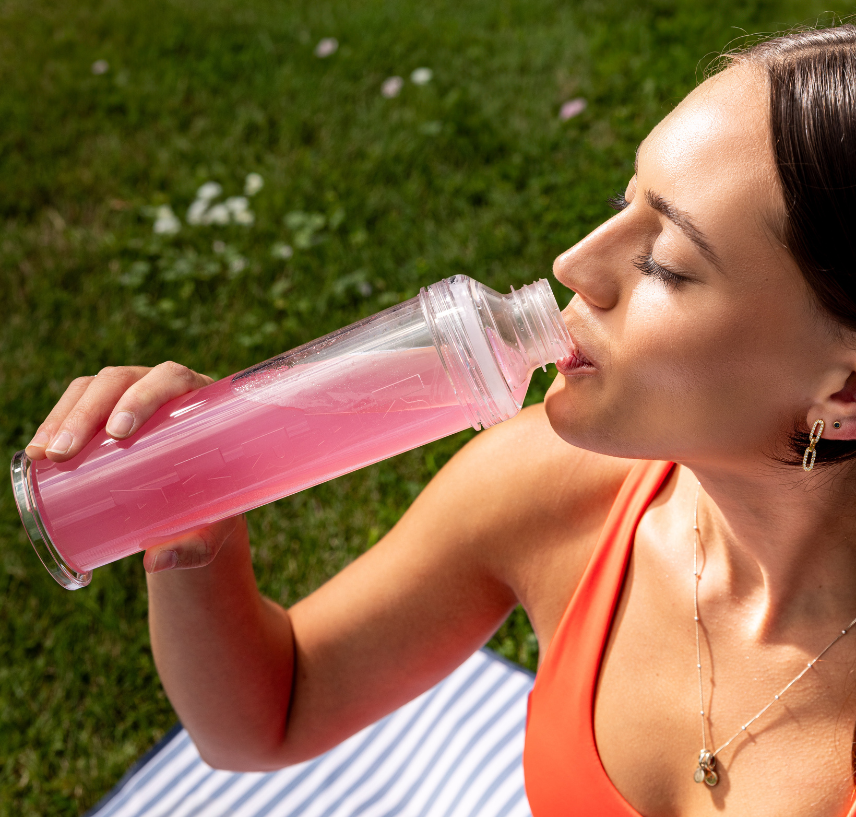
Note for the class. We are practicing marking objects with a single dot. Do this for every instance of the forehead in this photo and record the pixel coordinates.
(712, 155)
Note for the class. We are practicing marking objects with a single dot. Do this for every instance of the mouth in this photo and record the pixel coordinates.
(576, 362)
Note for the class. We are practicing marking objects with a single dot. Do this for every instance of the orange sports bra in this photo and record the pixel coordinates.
(563, 773)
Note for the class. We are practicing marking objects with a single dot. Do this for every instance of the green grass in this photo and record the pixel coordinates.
(473, 173)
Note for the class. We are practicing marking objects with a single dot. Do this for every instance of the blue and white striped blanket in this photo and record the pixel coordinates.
(455, 751)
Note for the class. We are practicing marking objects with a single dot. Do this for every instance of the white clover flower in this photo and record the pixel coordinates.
(237, 264)
(167, 226)
(326, 47)
(246, 217)
(421, 76)
(572, 108)
(166, 222)
(100, 67)
(208, 191)
(252, 184)
(280, 250)
(237, 204)
(219, 247)
(196, 212)
(218, 214)
(391, 87)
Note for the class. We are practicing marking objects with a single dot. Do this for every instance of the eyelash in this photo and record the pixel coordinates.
(646, 263)
(617, 202)
(648, 266)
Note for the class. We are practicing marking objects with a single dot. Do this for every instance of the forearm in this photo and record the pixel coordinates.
(225, 657)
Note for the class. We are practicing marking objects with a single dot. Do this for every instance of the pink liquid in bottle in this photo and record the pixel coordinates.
(274, 436)
(458, 355)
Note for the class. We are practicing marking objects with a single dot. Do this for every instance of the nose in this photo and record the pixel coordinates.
(591, 267)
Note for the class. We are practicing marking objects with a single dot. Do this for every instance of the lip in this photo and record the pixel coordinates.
(577, 362)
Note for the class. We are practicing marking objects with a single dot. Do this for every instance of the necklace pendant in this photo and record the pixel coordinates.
(705, 771)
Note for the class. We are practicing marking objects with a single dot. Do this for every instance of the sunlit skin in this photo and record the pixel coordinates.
(712, 370)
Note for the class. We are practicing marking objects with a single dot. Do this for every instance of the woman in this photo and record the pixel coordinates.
(714, 325)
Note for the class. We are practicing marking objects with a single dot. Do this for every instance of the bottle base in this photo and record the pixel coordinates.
(49, 556)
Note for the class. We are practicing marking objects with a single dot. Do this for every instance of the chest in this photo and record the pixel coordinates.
(794, 760)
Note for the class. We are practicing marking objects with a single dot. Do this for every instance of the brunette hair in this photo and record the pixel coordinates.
(812, 85)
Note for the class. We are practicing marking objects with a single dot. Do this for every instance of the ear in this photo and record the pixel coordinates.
(839, 407)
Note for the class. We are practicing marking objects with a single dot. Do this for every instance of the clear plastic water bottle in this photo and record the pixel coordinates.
(457, 355)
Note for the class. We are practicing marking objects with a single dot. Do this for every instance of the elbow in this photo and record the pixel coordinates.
(230, 759)
(258, 758)
(242, 750)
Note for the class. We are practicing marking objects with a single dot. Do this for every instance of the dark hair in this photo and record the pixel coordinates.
(812, 84)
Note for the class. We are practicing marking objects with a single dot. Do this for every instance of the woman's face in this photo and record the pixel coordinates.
(704, 337)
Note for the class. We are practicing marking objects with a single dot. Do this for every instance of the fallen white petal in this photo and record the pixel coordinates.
(252, 184)
(422, 76)
(281, 250)
(572, 108)
(326, 47)
(392, 87)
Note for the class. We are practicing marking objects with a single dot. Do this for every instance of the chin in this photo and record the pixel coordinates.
(574, 429)
(594, 431)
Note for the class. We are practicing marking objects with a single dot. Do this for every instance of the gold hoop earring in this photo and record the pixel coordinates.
(813, 437)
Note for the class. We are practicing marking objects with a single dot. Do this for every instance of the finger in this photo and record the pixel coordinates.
(197, 549)
(48, 429)
(163, 383)
(89, 413)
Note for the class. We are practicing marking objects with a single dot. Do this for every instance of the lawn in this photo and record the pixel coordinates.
(111, 110)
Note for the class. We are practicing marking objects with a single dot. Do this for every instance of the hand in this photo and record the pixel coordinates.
(124, 397)
(195, 549)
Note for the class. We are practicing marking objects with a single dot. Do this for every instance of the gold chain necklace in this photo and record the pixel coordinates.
(706, 768)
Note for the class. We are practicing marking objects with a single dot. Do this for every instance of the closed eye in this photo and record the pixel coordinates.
(646, 263)
(648, 266)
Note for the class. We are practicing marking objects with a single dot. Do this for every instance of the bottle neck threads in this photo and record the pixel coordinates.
(490, 344)
(542, 331)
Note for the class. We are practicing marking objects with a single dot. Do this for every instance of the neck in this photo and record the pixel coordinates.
(780, 543)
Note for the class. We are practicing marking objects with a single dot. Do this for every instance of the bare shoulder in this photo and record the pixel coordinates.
(512, 517)
(534, 505)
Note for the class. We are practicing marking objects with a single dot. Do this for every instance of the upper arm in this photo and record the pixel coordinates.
(481, 537)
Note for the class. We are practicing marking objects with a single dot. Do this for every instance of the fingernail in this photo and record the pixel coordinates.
(61, 443)
(40, 440)
(165, 560)
(120, 424)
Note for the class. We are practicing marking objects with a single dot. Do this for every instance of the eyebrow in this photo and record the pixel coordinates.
(685, 224)
(679, 218)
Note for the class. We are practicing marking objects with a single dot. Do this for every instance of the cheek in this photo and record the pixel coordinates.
(681, 375)
(723, 367)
